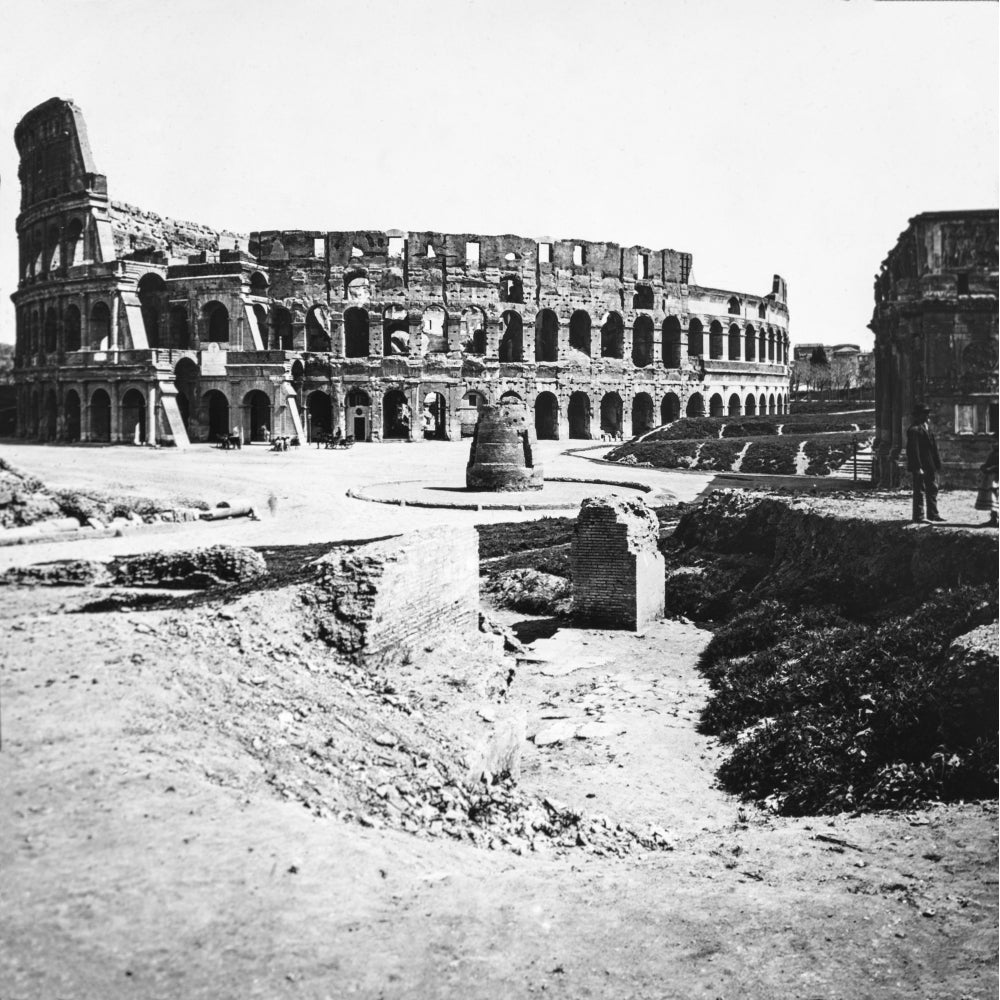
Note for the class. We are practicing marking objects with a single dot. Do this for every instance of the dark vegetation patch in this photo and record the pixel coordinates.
(766, 455)
(832, 406)
(516, 536)
(826, 714)
(764, 425)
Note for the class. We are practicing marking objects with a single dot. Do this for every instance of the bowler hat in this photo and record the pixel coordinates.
(921, 410)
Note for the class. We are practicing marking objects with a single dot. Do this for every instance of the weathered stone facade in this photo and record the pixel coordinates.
(935, 326)
(618, 570)
(502, 453)
(133, 327)
(383, 600)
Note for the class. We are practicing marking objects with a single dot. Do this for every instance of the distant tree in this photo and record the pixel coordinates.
(818, 356)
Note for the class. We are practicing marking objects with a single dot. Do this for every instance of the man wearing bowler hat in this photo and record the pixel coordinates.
(923, 463)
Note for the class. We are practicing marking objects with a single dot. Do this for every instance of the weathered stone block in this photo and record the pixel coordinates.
(618, 571)
(383, 600)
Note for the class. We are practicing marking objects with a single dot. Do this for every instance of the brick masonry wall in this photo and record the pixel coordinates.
(381, 601)
(618, 571)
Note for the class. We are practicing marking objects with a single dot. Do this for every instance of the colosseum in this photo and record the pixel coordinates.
(131, 327)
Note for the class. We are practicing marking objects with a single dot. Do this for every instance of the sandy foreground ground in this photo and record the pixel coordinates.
(146, 853)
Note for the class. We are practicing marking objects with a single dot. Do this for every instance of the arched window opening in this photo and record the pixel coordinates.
(750, 407)
(396, 415)
(53, 258)
(317, 335)
(735, 338)
(319, 412)
(762, 311)
(762, 404)
(50, 417)
(715, 340)
(357, 415)
(216, 322)
(643, 297)
(511, 289)
(258, 284)
(734, 405)
(72, 325)
(670, 408)
(715, 406)
(356, 287)
(256, 416)
(642, 414)
(395, 331)
(152, 300)
(771, 405)
(579, 332)
(511, 337)
(696, 405)
(74, 243)
(100, 416)
(612, 415)
(281, 321)
(180, 332)
(750, 343)
(671, 345)
(770, 344)
(762, 345)
(435, 417)
(642, 341)
(356, 333)
(100, 326)
(579, 416)
(71, 415)
(217, 410)
(133, 417)
(546, 336)
(734, 306)
(613, 336)
(546, 417)
(434, 330)
(51, 331)
(473, 331)
(696, 339)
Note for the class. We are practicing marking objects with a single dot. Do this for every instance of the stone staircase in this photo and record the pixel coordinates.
(864, 466)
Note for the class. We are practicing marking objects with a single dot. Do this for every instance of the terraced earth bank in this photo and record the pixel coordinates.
(207, 800)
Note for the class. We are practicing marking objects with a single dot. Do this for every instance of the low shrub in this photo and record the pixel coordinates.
(831, 405)
(718, 456)
(827, 715)
(773, 455)
(737, 427)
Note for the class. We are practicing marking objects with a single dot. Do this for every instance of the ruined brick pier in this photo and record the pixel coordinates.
(618, 571)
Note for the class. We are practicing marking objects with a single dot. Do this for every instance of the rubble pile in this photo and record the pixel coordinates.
(189, 569)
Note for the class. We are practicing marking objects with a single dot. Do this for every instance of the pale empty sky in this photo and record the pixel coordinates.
(764, 137)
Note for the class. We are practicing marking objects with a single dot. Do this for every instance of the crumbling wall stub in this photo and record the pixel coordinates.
(502, 453)
(381, 601)
(618, 571)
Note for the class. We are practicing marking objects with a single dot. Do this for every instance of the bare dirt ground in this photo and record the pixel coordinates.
(173, 820)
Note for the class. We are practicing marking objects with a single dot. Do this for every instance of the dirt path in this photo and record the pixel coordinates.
(148, 850)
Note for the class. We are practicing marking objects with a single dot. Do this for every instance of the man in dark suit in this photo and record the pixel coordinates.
(923, 463)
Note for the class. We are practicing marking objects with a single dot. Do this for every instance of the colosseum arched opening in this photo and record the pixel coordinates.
(578, 413)
(547, 416)
(642, 413)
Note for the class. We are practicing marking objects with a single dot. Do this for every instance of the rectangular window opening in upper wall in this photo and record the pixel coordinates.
(319, 246)
(472, 253)
(544, 253)
(579, 256)
(396, 244)
(642, 266)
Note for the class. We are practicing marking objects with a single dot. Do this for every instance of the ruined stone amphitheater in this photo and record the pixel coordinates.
(136, 328)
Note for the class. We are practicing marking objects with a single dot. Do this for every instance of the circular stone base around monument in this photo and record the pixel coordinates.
(484, 478)
(557, 494)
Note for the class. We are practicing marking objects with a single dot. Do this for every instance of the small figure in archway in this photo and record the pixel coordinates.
(265, 433)
(986, 498)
